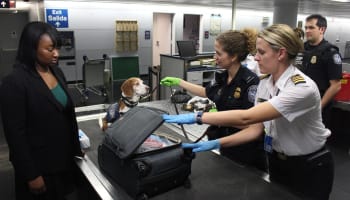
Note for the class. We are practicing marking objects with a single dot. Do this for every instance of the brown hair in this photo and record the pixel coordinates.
(299, 32)
(239, 43)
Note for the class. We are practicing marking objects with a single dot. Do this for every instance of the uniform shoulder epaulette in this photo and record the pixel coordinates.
(261, 77)
(298, 79)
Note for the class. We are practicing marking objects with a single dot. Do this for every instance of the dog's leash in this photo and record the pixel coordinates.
(177, 112)
(150, 93)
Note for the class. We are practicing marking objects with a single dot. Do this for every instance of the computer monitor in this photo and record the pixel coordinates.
(186, 48)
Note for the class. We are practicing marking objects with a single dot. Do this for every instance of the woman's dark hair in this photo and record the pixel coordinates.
(239, 43)
(29, 41)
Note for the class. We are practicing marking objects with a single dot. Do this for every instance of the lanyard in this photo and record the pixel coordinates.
(271, 121)
(269, 137)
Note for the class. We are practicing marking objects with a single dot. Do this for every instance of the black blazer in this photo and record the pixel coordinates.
(42, 134)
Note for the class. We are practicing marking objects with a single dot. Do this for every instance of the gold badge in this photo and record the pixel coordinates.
(237, 93)
(313, 59)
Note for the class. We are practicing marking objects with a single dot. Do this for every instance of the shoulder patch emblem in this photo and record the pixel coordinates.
(337, 59)
(252, 92)
(298, 79)
(264, 76)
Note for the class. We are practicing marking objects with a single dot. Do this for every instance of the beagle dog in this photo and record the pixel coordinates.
(132, 90)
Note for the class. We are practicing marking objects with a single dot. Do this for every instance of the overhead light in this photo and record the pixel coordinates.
(343, 1)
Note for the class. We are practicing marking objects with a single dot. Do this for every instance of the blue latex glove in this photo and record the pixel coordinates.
(202, 146)
(189, 118)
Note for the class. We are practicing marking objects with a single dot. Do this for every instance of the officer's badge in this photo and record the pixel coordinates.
(237, 93)
(298, 79)
(313, 59)
(336, 59)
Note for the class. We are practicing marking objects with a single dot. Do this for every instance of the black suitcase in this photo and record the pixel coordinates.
(143, 174)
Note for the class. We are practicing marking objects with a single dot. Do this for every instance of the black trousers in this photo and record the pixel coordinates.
(58, 186)
(311, 175)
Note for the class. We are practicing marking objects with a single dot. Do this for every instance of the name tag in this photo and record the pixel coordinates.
(268, 143)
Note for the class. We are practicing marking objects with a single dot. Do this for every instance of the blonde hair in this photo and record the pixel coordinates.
(239, 43)
(281, 35)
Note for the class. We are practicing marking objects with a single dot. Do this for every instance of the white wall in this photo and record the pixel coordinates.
(337, 32)
(94, 25)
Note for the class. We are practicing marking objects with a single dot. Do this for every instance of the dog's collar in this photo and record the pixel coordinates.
(128, 102)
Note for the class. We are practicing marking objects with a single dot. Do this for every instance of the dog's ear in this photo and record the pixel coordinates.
(128, 86)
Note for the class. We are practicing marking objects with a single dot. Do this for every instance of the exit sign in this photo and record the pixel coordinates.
(57, 17)
(7, 4)
(4, 3)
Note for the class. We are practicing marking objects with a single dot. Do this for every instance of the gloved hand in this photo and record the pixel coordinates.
(170, 81)
(202, 146)
(189, 118)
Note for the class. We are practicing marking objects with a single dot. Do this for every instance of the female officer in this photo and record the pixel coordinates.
(39, 119)
(288, 107)
(233, 88)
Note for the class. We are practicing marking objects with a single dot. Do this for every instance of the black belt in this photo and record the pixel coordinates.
(309, 156)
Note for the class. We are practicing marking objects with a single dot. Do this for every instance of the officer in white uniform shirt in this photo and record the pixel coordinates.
(296, 97)
(288, 110)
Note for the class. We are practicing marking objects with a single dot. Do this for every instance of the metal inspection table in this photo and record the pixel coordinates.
(344, 105)
(212, 177)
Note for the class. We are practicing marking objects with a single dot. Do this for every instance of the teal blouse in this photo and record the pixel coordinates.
(59, 94)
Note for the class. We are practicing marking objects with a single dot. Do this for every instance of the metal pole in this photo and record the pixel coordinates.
(233, 25)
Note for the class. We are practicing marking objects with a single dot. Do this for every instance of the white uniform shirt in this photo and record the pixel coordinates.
(300, 130)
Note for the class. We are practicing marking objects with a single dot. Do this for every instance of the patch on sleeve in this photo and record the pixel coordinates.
(337, 59)
(252, 92)
(298, 79)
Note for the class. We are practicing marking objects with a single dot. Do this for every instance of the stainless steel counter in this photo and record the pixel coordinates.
(212, 177)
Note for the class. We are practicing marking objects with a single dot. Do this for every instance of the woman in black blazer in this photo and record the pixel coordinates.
(39, 119)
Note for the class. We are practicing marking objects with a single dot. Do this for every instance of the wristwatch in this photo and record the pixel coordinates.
(199, 117)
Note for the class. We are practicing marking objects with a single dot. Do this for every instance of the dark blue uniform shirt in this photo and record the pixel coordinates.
(238, 94)
(322, 63)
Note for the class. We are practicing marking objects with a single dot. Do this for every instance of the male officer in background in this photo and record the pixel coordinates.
(322, 62)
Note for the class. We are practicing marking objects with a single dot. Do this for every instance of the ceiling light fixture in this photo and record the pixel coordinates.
(343, 1)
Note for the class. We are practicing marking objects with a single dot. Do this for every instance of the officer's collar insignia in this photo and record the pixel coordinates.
(264, 76)
(298, 79)
(237, 93)
(260, 100)
(313, 59)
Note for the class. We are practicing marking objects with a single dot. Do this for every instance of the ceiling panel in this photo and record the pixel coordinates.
(324, 7)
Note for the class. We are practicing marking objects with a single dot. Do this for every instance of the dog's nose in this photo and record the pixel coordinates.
(147, 87)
